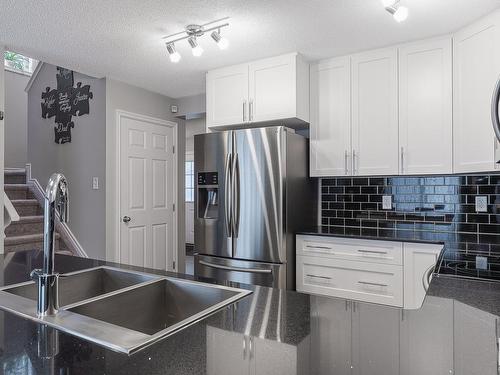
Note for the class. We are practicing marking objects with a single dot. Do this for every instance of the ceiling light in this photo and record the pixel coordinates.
(196, 48)
(222, 42)
(400, 13)
(175, 56)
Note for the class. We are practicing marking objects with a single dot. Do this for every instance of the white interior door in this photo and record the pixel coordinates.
(148, 181)
(2, 158)
(189, 199)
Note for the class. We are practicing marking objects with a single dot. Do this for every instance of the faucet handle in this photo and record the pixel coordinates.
(35, 274)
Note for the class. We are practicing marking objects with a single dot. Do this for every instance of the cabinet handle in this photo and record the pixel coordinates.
(353, 162)
(371, 283)
(346, 157)
(372, 251)
(250, 111)
(244, 110)
(319, 277)
(426, 277)
(318, 247)
(402, 160)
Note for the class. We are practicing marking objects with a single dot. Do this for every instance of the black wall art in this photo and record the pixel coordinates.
(64, 102)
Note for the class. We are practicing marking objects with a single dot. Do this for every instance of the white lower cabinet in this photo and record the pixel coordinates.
(384, 272)
(428, 332)
(227, 351)
(375, 340)
(472, 328)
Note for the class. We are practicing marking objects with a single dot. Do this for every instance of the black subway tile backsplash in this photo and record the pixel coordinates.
(436, 203)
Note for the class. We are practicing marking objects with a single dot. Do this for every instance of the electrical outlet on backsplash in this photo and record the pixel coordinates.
(432, 203)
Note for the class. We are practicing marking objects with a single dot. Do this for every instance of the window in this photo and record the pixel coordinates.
(19, 63)
(189, 181)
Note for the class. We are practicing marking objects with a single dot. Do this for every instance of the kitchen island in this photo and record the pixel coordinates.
(274, 331)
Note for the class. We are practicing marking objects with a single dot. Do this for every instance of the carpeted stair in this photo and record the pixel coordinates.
(27, 233)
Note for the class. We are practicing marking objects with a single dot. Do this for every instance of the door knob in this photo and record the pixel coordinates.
(126, 219)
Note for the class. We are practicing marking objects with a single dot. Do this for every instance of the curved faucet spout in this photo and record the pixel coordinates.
(56, 196)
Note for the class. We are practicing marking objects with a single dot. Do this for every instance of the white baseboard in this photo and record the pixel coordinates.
(61, 227)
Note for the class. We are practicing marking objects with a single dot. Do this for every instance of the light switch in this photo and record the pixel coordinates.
(95, 183)
(387, 202)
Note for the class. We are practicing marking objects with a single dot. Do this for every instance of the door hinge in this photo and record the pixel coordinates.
(173, 265)
(2, 114)
(173, 207)
(173, 149)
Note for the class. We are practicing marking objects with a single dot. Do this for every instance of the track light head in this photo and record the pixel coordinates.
(399, 13)
(175, 56)
(222, 42)
(196, 49)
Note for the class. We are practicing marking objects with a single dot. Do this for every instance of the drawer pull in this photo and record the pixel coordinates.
(318, 247)
(319, 277)
(373, 284)
(372, 252)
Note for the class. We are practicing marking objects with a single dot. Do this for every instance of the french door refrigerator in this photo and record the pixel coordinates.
(252, 192)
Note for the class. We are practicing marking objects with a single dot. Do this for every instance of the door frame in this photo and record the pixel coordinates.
(2, 149)
(116, 216)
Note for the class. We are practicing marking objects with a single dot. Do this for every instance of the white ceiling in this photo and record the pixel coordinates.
(121, 39)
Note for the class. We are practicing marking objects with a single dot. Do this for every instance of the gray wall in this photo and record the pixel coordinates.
(191, 107)
(194, 127)
(122, 96)
(16, 120)
(79, 160)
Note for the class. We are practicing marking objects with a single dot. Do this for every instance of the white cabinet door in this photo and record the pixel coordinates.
(375, 335)
(227, 351)
(276, 358)
(428, 332)
(418, 258)
(330, 128)
(227, 96)
(330, 336)
(272, 84)
(375, 112)
(475, 341)
(425, 112)
(476, 70)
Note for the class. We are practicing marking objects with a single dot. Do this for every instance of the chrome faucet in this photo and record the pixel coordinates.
(56, 194)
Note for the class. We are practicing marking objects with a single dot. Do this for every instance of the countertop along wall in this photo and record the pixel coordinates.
(16, 120)
(122, 96)
(79, 160)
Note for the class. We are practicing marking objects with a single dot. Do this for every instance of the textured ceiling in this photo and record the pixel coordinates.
(121, 39)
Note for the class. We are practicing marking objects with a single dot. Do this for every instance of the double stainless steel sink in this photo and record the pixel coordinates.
(120, 309)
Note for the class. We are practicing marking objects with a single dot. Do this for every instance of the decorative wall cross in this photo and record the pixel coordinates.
(64, 102)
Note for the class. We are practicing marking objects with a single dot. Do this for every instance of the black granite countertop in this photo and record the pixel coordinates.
(280, 332)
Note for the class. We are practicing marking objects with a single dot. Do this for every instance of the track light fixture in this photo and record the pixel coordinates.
(175, 56)
(399, 12)
(193, 33)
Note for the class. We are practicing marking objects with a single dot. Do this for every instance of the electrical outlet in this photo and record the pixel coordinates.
(387, 202)
(482, 203)
(95, 183)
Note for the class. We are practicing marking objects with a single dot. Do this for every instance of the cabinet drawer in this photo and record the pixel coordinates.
(385, 252)
(361, 281)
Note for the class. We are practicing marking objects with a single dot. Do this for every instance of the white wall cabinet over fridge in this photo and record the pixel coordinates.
(269, 90)
(425, 107)
(476, 63)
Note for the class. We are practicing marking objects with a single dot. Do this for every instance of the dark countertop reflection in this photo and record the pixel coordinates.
(277, 332)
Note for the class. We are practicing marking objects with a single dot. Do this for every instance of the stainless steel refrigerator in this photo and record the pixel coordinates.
(252, 192)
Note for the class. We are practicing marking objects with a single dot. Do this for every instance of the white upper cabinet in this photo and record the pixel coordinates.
(476, 70)
(375, 112)
(227, 96)
(425, 107)
(330, 128)
(274, 89)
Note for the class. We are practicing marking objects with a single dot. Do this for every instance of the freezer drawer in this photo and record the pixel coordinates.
(241, 271)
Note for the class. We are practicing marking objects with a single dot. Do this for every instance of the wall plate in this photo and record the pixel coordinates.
(387, 202)
(482, 203)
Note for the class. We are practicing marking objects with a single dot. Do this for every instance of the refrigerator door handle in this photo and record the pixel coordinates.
(237, 269)
(228, 194)
(235, 195)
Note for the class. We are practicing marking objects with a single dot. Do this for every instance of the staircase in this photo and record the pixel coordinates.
(27, 233)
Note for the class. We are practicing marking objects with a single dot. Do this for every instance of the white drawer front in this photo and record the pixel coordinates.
(377, 283)
(375, 251)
